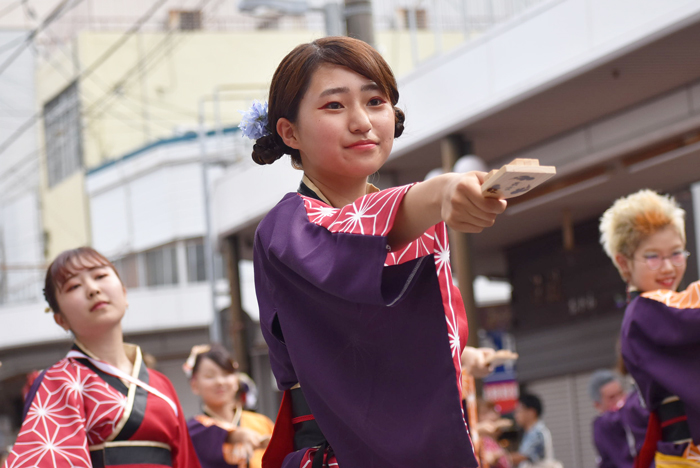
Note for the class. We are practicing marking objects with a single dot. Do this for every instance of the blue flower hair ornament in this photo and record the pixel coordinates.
(254, 124)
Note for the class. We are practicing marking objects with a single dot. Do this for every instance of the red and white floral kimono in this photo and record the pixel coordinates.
(82, 416)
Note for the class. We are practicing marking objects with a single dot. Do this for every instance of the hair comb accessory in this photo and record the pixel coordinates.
(47, 310)
(254, 124)
(189, 363)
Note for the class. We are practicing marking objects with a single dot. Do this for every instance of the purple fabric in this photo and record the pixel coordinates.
(29, 398)
(612, 431)
(660, 347)
(293, 460)
(611, 442)
(635, 417)
(208, 443)
(379, 379)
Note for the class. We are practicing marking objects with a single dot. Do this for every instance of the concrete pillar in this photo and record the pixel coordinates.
(237, 330)
(358, 20)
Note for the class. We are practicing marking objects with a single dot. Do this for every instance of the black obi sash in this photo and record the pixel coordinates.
(307, 432)
(674, 421)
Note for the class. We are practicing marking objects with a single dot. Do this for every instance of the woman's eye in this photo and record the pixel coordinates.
(72, 287)
(651, 257)
(376, 102)
(333, 105)
(101, 275)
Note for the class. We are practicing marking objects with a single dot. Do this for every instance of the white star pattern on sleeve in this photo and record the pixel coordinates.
(72, 409)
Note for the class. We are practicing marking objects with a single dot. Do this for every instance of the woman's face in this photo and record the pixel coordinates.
(664, 249)
(215, 386)
(344, 128)
(92, 302)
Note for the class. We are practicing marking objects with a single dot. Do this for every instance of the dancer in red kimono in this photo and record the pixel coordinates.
(363, 321)
(644, 234)
(99, 406)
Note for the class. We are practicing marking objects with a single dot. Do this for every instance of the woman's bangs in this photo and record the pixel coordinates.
(73, 263)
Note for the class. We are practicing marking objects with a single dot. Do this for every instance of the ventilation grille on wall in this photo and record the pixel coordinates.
(185, 20)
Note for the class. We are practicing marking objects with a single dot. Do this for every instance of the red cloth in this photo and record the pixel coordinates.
(646, 455)
(282, 440)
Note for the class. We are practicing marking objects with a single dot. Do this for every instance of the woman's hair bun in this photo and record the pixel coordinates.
(267, 150)
(400, 119)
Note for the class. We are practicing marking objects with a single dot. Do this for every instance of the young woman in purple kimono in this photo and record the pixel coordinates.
(357, 304)
(224, 435)
(644, 235)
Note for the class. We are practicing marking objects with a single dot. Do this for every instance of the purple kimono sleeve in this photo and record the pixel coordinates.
(611, 442)
(660, 346)
(208, 442)
(347, 265)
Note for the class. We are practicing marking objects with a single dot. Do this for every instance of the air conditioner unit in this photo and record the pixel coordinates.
(185, 20)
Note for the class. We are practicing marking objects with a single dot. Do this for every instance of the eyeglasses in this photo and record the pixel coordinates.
(655, 261)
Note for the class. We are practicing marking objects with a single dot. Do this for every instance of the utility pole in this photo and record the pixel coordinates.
(358, 20)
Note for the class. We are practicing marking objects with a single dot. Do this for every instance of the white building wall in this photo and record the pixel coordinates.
(21, 239)
(527, 55)
(168, 307)
(247, 191)
(21, 244)
(109, 216)
(168, 205)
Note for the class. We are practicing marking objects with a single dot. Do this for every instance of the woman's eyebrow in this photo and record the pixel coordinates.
(86, 269)
(339, 90)
(344, 89)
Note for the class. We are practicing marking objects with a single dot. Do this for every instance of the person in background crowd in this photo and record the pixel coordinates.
(644, 235)
(613, 436)
(99, 406)
(489, 428)
(225, 434)
(536, 444)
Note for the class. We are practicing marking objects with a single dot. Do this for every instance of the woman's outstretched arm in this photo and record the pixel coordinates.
(453, 198)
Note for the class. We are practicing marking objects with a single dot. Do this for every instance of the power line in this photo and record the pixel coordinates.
(88, 71)
(151, 59)
(133, 29)
(51, 17)
(10, 44)
(9, 9)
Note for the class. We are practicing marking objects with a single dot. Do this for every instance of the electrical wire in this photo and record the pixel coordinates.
(152, 58)
(9, 8)
(86, 72)
(56, 13)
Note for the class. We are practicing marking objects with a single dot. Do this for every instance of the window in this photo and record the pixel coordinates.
(64, 152)
(185, 20)
(161, 266)
(128, 270)
(421, 18)
(196, 263)
(196, 266)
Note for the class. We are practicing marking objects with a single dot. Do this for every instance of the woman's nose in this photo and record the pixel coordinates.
(360, 121)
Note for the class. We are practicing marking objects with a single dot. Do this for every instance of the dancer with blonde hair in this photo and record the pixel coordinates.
(644, 235)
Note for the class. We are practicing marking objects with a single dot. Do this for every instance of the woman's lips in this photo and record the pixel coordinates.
(97, 306)
(362, 145)
(668, 283)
